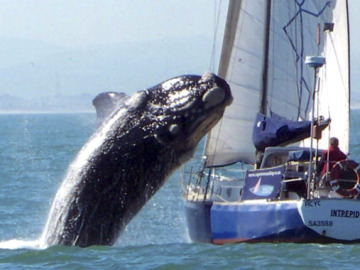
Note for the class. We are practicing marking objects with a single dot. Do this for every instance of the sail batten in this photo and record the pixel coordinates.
(249, 54)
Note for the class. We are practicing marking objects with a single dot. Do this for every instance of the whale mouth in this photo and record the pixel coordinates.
(187, 107)
(214, 101)
(204, 122)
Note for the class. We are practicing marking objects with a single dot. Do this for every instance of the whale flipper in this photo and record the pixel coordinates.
(105, 103)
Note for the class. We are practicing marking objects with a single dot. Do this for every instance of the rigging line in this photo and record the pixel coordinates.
(300, 54)
(216, 141)
(327, 4)
(216, 27)
(212, 67)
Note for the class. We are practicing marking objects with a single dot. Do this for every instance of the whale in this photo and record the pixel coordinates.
(130, 156)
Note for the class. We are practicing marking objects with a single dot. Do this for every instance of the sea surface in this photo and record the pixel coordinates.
(35, 152)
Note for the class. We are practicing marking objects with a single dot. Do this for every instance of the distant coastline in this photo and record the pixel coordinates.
(81, 103)
(46, 112)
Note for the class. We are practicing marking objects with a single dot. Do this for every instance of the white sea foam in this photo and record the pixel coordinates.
(21, 244)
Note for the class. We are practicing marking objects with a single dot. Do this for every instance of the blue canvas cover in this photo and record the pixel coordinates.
(263, 184)
(300, 155)
(277, 131)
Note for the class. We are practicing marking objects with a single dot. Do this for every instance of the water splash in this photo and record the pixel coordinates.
(21, 244)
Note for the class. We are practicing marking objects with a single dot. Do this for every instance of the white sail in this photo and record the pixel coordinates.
(241, 65)
(334, 94)
(295, 31)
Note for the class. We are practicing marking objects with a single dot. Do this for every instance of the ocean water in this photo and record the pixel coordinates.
(35, 152)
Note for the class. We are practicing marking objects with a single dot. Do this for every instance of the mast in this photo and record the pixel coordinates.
(232, 19)
(349, 62)
(229, 35)
(263, 99)
(242, 66)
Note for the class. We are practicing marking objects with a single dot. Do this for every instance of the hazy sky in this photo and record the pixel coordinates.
(79, 23)
(85, 22)
(107, 24)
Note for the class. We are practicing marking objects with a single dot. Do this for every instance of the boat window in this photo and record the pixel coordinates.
(275, 159)
(234, 171)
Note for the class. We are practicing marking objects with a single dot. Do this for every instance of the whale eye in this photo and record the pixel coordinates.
(174, 129)
(163, 135)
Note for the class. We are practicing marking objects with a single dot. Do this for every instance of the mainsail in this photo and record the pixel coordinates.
(335, 78)
(263, 55)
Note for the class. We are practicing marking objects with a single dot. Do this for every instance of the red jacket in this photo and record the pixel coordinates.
(335, 155)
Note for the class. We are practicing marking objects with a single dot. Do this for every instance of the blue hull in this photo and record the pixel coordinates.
(198, 221)
(258, 222)
(222, 223)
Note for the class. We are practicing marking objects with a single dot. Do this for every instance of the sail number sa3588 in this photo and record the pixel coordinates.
(320, 223)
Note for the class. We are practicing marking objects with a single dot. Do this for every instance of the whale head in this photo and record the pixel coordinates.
(182, 110)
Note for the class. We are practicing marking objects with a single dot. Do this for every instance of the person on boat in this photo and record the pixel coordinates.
(333, 155)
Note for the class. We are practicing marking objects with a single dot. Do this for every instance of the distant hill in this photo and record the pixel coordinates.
(58, 103)
(36, 69)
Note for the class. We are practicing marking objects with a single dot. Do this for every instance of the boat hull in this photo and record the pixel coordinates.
(198, 221)
(297, 221)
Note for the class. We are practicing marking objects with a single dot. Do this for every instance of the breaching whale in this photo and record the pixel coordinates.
(130, 157)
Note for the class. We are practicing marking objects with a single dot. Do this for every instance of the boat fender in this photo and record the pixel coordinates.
(336, 173)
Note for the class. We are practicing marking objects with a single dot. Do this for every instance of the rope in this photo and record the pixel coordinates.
(217, 11)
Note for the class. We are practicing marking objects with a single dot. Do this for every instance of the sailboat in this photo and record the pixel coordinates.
(287, 63)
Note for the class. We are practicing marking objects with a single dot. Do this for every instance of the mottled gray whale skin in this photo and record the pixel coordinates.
(130, 157)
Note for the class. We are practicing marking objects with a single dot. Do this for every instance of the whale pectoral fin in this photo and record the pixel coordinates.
(107, 102)
(137, 101)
